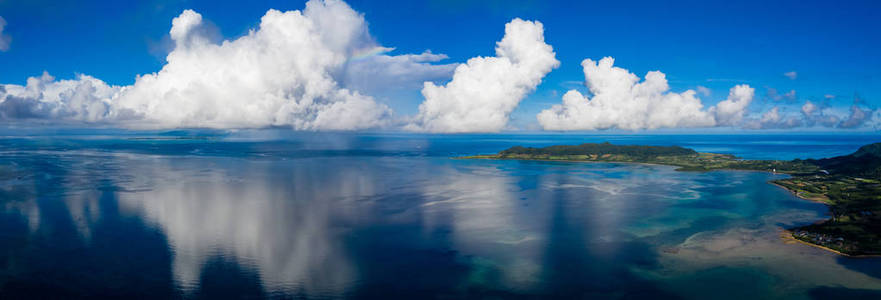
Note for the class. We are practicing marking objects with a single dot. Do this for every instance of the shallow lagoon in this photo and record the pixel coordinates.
(391, 215)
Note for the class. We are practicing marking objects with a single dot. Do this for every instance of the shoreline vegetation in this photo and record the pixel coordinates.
(849, 185)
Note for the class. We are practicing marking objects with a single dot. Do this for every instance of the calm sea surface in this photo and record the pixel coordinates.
(283, 215)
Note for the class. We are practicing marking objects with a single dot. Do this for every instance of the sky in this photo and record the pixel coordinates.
(443, 66)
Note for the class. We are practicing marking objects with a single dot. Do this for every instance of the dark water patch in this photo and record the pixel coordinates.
(224, 279)
(843, 293)
(122, 258)
(401, 262)
(869, 265)
(727, 283)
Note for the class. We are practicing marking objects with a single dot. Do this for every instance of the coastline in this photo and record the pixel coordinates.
(786, 236)
(679, 168)
(570, 160)
(795, 193)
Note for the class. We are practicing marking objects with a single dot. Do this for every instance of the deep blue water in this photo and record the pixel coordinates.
(332, 215)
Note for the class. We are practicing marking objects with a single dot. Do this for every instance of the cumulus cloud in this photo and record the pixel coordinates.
(822, 115)
(280, 74)
(808, 108)
(5, 39)
(773, 119)
(292, 70)
(814, 114)
(772, 116)
(792, 75)
(857, 117)
(819, 115)
(485, 90)
(83, 99)
(730, 111)
(621, 101)
(875, 120)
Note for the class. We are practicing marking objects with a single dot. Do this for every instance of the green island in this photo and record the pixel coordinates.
(850, 185)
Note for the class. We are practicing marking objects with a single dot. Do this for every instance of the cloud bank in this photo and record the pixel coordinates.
(775, 119)
(290, 71)
(485, 90)
(813, 115)
(621, 101)
(85, 98)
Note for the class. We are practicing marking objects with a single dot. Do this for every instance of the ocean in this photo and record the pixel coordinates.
(277, 214)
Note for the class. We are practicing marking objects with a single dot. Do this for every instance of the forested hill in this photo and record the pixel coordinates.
(864, 162)
(600, 149)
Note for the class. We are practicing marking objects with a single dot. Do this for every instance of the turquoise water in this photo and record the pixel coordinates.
(281, 215)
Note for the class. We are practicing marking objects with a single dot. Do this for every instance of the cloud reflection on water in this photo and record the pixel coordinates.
(280, 222)
(488, 219)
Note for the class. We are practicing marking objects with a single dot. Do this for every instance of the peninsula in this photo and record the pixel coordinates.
(850, 185)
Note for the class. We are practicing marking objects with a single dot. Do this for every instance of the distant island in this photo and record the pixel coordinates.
(850, 185)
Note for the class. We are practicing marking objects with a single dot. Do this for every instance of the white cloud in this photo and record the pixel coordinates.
(291, 71)
(730, 111)
(773, 118)
(5, 39)
(380, 72)
(792, 75)
(875, 120)
(816, 115)
(83, 99)
(485, 90)
(813, 115)
(621, 101)
(702, 90)
(280, 74)
(184, 26)
(857, 117)
(808, 108)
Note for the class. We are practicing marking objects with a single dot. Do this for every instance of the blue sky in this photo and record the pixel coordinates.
(831, 46)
